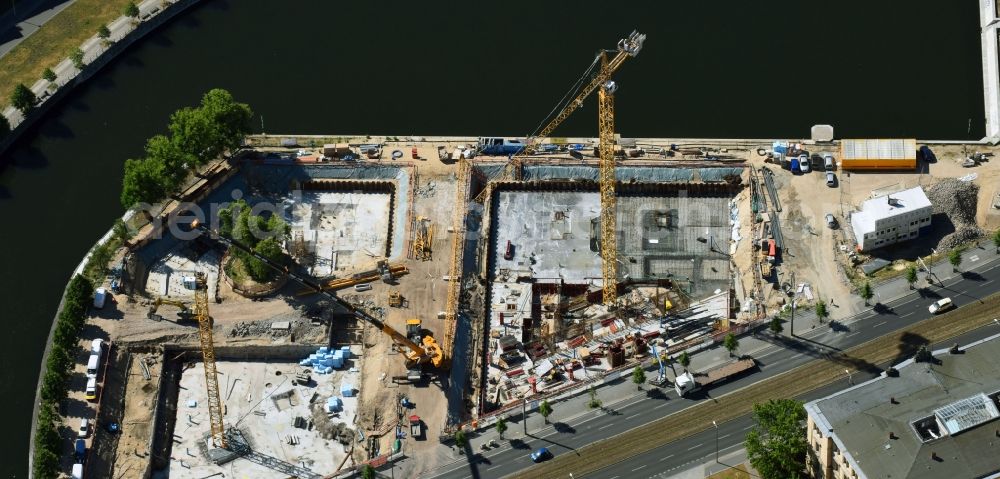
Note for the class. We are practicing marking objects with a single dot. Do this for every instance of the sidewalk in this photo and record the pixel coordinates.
(727, 461)
(16, 28)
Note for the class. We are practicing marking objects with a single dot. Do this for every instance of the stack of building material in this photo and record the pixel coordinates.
(323, 362)
(334, 404)
(347, 390)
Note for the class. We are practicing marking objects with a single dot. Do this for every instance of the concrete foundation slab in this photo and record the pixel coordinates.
(345, 231)
(258, 397)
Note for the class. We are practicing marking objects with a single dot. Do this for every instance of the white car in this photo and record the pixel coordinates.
(804, 163)
(84, 428)
(941, 305)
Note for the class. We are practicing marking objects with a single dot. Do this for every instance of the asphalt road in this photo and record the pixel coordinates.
(564, 438)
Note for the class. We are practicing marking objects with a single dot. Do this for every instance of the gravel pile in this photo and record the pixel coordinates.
(956, 199)
(256, 328)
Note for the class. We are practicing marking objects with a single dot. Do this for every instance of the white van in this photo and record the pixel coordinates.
(940, 305)
(100, 296)
(96, 346)
(93, 364)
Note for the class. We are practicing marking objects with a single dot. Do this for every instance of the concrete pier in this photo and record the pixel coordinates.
(989, 20)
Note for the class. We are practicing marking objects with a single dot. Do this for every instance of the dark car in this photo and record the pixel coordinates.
(80, 450)
(541, 454)
(927, 154)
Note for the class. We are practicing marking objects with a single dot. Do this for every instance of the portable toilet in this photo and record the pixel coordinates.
(100, 296)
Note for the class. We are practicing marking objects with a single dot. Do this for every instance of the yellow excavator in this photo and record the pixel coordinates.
(184, 314)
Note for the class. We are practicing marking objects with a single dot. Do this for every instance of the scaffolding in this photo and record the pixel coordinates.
(457, 255)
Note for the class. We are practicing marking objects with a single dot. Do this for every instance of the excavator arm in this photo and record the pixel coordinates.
(430, 352)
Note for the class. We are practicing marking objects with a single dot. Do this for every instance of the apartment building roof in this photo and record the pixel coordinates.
(935, 419)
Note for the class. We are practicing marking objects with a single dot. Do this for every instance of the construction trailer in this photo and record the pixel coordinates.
(879, 154)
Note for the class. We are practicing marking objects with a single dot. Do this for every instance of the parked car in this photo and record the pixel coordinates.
(541, 454)
(831, 222)
(91, 392)
(84, 428)
(100, 297)
(941, 305)
(804, 163)
(927, 155)
(831, 180)
(80, 450)
(828, 162)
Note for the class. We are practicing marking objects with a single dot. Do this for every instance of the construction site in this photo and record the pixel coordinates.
(435, 283)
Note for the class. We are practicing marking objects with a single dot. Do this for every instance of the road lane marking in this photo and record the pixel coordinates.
(695, 447)
(854, 334)
(661, 405)
(879, 324)
(665, 458)
(605, 426)
(723, 437)
(630, 417)
(905, 315)
(640, 467)
(748, 427)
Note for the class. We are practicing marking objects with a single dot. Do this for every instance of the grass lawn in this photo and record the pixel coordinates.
(738, 472)
(54, 42)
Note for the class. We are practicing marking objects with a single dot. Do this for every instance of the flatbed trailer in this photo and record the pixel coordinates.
(690, 382)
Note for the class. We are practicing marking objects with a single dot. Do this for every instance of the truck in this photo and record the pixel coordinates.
(415, 429)
(688, 382)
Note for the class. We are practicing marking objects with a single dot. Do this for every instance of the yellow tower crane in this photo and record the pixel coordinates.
(215, 416)
(627, 47)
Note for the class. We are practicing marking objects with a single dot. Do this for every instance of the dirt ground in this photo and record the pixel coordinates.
(424, 292)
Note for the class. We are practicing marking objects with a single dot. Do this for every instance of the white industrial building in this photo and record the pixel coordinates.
(891, 218)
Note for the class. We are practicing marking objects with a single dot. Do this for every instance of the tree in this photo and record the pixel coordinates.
(545, 409)
(638, 377)
(775, 326)
(821, 311)
(77, 58)
(120, 231)
(996, 240)
(103, 32)
(460, 440)
(131, 10)
(46, 463)
(731, 343)
(270, 249)
(143, 182)
(684, 359)
(594, 402)
(367, 472)
(175, 160)
(231, 119)
(49, 75)
(195, 134)
(501, 426)
(866, 292)
(23, 98)
(911, 275)
(776, 446)
(955, 258)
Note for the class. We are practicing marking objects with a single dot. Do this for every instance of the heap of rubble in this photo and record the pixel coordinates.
(956, 199)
